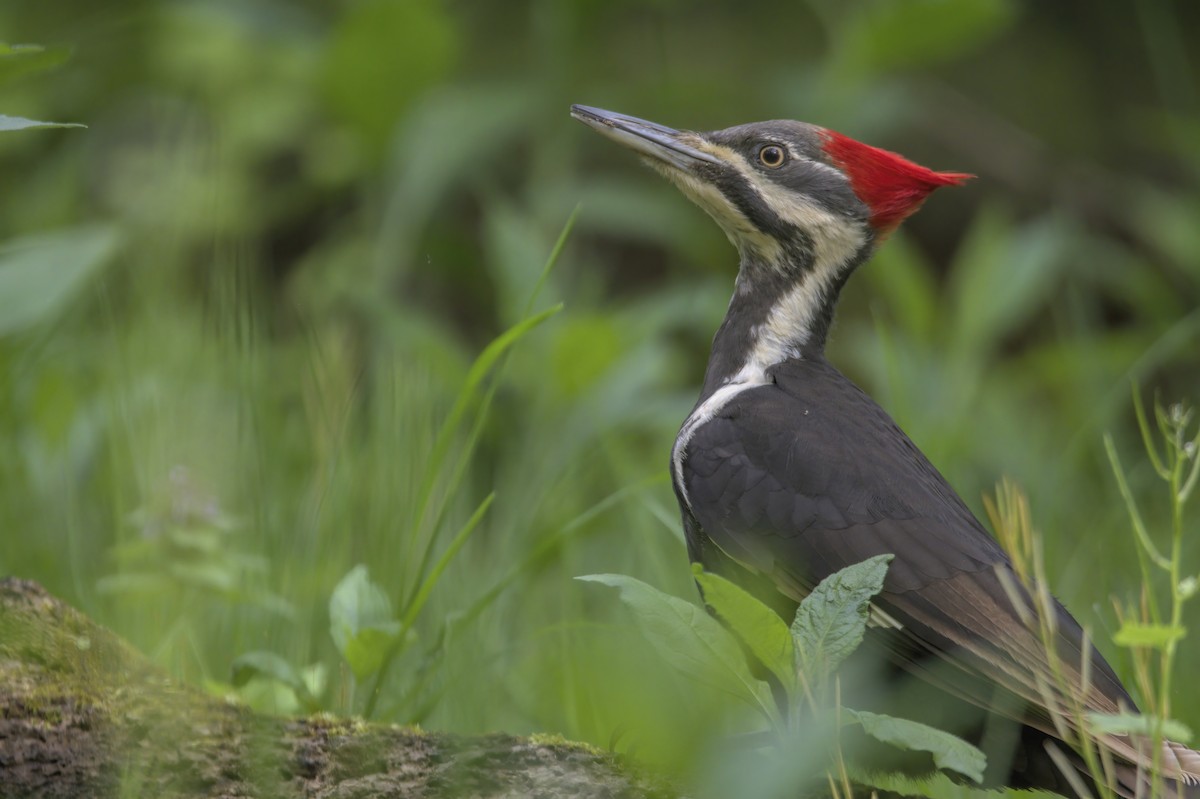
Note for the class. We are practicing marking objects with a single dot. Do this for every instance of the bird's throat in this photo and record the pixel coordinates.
(774, 315)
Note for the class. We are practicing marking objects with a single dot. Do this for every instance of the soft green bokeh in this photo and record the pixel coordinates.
(262, 273)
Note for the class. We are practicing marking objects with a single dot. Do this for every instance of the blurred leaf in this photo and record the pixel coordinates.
(884, 35)
(22, 59)
(361, 622)
(38, 274)
(690, 640)
(753, 623)
(1156, 636)
(1168, 219)
(585, 348)
(366, 650)
(514, 246)
(213, 576)
(19, 123)
(1002, 276)
(949, 751)
(831, 620)
(383, 53)
(1138, 724)
(357, 603)
(267, 665)
(903, 276)
(135, 583)
(470, 126)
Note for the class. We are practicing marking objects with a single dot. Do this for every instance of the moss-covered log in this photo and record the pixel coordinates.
(84, 714)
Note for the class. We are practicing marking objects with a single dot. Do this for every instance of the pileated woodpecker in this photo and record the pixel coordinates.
(786, 471)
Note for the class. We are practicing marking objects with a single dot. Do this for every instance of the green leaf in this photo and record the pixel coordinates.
(1136, 724)
(1002, 275)
(885, 36)
(1156, 636)
(831, 621)
(22, 59)
(366, 650)
(690, 640)
(39, 274)
(21, 123)
(756, 625)
(949, 751)
(361, 622)
(267, 665)
(386, 49)
(906, 279)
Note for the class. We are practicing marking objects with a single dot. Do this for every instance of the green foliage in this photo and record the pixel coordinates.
(20, 123)
(756, 626)
(690, 640)
(18, 60)
(885, 36)
(1140, 724)
(949, 751)
(382, 56)
(40, 274)
(361, 622)
(831, 621)
(272, 668)
(829, 625)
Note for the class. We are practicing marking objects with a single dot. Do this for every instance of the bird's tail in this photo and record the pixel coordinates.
(1131, 776)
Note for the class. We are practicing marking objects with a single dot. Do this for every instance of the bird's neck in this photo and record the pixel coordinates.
(775, 315)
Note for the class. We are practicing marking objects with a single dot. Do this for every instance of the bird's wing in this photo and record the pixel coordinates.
(797, 490)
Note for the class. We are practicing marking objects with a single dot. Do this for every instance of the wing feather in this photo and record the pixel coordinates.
(796, 489)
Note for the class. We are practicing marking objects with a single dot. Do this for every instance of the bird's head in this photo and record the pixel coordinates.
(781, 186)
(804, 205)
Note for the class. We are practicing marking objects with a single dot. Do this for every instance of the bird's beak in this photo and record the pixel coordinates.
(648, 138)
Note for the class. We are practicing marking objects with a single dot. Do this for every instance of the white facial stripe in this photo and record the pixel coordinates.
(834, 237)
(740, 230)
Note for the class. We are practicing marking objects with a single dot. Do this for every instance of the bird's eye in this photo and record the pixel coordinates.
(772, 155)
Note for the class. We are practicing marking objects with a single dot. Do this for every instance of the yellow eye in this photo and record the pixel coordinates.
(772, 155)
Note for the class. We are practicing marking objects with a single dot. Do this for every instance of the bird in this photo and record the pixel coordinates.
(786, 471)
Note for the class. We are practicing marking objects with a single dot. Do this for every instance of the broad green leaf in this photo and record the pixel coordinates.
(361, 621)
(689, 640)
(949, 751)
(21, 123)
(1135, 724)
(1156, 636)
(365, 650)
(756, 625)
(264, 664)
(831, 621)
(38, 274)
(22, 59)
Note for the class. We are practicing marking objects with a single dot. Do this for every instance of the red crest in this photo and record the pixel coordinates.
(892, 186)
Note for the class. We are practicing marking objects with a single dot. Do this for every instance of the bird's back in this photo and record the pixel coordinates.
(803, 475)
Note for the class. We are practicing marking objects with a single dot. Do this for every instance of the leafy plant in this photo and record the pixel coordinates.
(1151, 632)
(369, 634)
(17, 60)
(829, 625)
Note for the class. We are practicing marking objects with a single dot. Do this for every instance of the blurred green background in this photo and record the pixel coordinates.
(236, 311)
